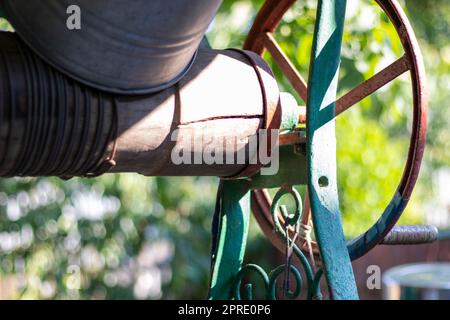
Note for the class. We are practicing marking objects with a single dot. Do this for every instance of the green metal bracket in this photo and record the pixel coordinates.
(231, 228)
(318, 159)
(289, 160)
(321, 142)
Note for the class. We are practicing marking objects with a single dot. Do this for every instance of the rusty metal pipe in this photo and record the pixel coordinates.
(51, 125)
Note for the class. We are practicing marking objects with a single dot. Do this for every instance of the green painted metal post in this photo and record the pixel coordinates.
(232, 230)
(321, 148)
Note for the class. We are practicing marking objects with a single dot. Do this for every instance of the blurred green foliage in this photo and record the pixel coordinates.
(128, 236)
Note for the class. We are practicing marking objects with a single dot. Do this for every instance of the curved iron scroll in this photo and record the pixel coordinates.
(230, 228)
(287, 231)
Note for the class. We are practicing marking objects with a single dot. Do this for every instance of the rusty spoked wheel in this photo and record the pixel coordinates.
(261, 39)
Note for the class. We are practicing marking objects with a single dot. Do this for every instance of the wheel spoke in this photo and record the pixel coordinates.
(371, 85)
(285, 65)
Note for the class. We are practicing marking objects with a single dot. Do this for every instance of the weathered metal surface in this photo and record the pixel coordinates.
(295, 137)
(321, 149)
(267, 20)
(126, 47)
(100, 147)
(365, 242)
(272, 111)
(286, 65)
(260, 38)
(287, 160)
(261, 203)
(245, 270)
(291, 113)
(287, 228)
(316, 285)
(52, 125)
(230, 238)
(415, 234)
(371, 85)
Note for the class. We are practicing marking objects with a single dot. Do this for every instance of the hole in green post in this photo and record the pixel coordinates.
(323, 181)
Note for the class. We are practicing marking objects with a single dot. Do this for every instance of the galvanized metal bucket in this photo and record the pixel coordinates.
(122, 46)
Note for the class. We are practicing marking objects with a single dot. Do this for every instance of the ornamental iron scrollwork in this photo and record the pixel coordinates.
(287, 226)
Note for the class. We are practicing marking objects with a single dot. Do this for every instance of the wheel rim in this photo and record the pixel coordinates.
(260, 39)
